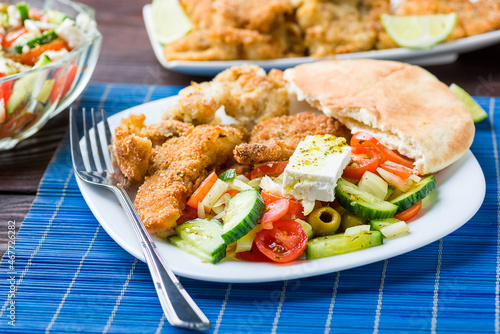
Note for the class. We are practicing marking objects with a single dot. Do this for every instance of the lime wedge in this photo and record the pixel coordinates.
(419, 32)
(169, 21)
(478, 113)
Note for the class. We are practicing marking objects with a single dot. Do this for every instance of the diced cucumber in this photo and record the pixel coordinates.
(362, 203)
(189, 248)
(415, 194)
(337, 244)
(377, 224)
(243, 212)
(205, 235)
(228, 175)
(56, 17)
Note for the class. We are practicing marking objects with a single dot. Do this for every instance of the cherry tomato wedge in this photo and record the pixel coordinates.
(275, 211)
(11, 37)
(63, 82)
(32, 56)
(284, 243)
(254, 255)
(400, 171)
(387, 154)
(6, 89)
(269, 168)
(188, 214)
(409, 213)
(363, 138)
(202, 190)
(295, 209)
(363, 158)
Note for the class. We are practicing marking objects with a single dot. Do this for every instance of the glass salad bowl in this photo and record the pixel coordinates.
(37, 95)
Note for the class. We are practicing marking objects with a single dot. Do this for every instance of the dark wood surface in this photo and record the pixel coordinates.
(127, 57)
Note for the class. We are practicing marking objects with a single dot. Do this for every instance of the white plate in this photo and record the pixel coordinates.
(459, 194)
(441, 54)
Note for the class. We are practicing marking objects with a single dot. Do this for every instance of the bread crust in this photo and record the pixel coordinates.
(404, 106)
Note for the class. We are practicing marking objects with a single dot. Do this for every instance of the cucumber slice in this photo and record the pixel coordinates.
(205, 235)
(337, 244)
(188, 248)
(415, 194)
(244, 211)
(362, 203)
(228, 175)
(376, 225)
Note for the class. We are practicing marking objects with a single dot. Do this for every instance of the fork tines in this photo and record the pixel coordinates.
(92, 153)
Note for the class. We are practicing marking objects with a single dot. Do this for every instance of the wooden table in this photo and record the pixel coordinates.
(127, 57)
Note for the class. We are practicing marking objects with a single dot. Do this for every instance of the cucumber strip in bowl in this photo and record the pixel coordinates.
(243, 212)
(362, 203)
(205, 235)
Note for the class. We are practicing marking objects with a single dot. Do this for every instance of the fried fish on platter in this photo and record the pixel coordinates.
(277, 138)
(177, 168)
(246, 92)
(223, 43)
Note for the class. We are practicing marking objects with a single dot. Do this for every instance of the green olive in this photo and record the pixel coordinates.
(350, 220)
(324, 221)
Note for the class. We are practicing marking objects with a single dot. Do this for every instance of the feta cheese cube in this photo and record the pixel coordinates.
(70, 33)
(314, 168)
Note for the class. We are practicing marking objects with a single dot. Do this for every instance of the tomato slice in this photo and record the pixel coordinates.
(63, 82)
(363, 138)
(387, 154)
(11, 37)
(32, 56)
(17, 124)
(202, 190)
(400, 171)
(363, 158)
(275, 211)
(254, 255)
(284, 243)
(409, 213)
(269, 168)
(232, 192)
(295, 209)
(6, 89)
(188, 214)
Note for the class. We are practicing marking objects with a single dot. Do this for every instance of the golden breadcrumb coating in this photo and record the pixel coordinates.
(223, 43)
(246, 92)
(134, 141)
(333, 26)
(277, 138)
(177, 168)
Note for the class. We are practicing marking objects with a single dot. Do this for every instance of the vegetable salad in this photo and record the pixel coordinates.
(32, 38)
(252, 217)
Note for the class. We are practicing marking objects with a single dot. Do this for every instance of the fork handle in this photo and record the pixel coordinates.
(180, 310)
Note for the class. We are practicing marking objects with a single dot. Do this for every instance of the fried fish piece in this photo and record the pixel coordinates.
(177, 168)
(333, 26)
(277, 138)
(134, 142)
(271, 18)
(223, 43)
(246, 92)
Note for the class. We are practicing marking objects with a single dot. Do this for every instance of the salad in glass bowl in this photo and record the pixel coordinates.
(49, 51)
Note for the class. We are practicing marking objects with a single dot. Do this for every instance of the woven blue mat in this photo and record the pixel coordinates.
(69, 276)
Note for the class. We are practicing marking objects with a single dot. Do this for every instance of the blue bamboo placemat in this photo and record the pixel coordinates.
(69, 276)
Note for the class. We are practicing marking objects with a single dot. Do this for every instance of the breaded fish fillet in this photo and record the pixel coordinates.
(335, 26)
(277, 138)
(246, 92)
(223, 43)
(134, 142)
(177, 169)
(270, 18)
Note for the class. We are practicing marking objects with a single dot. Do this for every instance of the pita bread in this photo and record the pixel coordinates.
(404, 106)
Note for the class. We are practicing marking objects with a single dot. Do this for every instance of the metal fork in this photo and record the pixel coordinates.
(95, 168)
